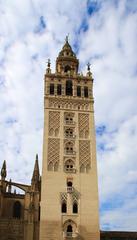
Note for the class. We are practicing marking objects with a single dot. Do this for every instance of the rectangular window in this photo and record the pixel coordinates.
(86, 92)
(51, 89)
(79, 91)
(59, 89)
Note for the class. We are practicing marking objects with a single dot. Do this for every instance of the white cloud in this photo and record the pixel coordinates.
(110, 44)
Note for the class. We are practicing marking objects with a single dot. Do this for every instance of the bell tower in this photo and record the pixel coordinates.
(69, 197)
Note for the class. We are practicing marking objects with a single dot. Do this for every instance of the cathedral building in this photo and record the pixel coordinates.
(63, 203)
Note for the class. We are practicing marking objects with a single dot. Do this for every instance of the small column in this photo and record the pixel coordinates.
(63, 89)
(82, 91)
(74, 90)
(55, 88)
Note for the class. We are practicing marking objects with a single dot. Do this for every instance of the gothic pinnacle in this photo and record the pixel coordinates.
(3, 171)
(35, 176)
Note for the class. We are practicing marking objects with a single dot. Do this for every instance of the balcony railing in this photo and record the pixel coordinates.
(70, 189)
(69, 135)
(70, 235)
(69, 122)
(70, 170)
(70, 152)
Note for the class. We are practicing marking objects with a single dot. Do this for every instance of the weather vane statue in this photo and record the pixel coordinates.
(67, 38)
(88, 66)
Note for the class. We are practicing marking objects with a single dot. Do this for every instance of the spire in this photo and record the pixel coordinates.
(3, 171)
(36, 175)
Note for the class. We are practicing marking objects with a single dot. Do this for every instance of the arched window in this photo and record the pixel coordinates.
(69, 88)
(17, 210)
(69, 166)
(86, 92)
(69, 184)
(82, 168)
(69, 187)
(50, 166)
(69, 231)
(87, 168)
(69, 132)
(69, 148)
(52, 89)
(79, 91)
(75, 207)
(68, 118)
(56, 166)
(67, 68)
(64, 207)
(59, 89)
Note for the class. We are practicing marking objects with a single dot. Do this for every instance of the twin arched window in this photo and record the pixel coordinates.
(68, 118)
(69, 132)
(53, 166)
(74, 207)
(69, 148)
(69, 165)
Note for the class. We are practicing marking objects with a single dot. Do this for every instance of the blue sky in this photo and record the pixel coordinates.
(102, 32)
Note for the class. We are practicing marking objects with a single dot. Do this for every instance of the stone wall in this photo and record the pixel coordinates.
(11, 229)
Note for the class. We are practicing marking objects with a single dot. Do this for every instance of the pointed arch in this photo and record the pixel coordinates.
(50, 166)
(17, 210)
(69, 147)
(70, 228)
(69, 165)
(87, 168)
(64, 207)
(75, 207)
(82, 168)
(67, 68)
(56, 166)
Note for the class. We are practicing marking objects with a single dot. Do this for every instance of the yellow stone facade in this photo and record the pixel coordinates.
(69, 196)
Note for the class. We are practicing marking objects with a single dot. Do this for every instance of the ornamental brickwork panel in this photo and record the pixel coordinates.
(71, 104)
(84, 155)
(83, 120)
(54, 123)
(53, 154)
